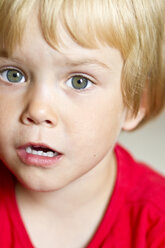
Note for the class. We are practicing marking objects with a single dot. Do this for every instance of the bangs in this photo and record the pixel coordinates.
(13, 18)
(87, 22)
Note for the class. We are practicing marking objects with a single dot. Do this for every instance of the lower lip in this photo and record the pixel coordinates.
(37, 160)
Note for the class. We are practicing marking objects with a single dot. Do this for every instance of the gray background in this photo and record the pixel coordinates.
(147, 144)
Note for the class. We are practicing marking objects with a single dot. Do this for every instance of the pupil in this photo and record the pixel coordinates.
(80, 81)
(15, 75)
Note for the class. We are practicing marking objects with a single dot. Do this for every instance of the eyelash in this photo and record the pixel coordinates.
(4, 76)
(83, 81)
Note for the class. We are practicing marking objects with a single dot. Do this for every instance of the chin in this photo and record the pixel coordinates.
(40, 186)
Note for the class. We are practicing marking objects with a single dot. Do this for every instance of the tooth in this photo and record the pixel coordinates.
(50, 154)
(44, 154)
(40, 153)
(34, 152)
(28, 149)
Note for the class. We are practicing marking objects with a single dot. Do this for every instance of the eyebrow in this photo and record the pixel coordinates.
(87, 61)
(71, 62)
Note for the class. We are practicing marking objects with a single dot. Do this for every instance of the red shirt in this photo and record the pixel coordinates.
(135, 216)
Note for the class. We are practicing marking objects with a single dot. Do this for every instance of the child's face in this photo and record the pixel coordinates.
(69, 101)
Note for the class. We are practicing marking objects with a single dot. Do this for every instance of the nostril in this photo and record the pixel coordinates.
(30, 120)
(48, 122)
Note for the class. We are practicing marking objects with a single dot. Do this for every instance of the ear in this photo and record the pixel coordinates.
(131, 122)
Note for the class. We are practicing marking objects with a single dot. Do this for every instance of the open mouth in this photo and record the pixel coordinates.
(41, 151)
(39, 155)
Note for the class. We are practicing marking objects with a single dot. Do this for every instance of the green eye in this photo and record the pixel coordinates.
(79, 82)
(12, 76)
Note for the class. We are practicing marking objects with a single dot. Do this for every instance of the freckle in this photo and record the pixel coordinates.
(94, 155)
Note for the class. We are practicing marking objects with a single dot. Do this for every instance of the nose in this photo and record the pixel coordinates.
(39, 110)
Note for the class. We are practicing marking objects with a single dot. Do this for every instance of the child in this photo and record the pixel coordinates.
(73, 74)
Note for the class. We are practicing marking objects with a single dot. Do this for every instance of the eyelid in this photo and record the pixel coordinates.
(84, 75)
(90, 82)
(5, 68)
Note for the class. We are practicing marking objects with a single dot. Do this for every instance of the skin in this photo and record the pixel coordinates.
(81, 124)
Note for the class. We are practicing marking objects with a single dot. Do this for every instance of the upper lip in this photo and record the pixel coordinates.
(37, 145)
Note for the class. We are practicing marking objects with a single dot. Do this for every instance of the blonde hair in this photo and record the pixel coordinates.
(134, 27)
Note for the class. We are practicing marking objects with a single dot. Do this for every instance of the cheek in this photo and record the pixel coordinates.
(96, 126)
(8, 107)
(8, 116)
(8, 121)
